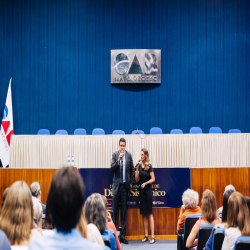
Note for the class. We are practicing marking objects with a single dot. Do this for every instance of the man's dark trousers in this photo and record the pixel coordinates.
(120, 196)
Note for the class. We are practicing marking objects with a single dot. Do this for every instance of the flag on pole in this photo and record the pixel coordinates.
(6, 130)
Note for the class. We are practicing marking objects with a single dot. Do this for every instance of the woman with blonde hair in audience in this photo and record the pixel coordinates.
(208, 216)
(226, 195)
(238, 221)
(16, 218)
(110, 224)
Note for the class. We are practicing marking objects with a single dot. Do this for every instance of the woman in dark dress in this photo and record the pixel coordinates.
(144, 172)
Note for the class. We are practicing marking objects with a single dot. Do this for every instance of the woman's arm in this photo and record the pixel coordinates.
(152, 180)
(137, 173)
(192, 236)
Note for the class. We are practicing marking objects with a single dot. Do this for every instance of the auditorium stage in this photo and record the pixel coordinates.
(214, 179)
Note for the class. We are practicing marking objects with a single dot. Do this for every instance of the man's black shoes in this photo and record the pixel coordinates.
(123, 240)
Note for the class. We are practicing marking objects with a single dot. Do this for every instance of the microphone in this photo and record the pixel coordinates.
(122, 156)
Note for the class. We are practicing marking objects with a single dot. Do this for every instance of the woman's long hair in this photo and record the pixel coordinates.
(16, 218)
(225, 204)
(238, 213)
(95, 212)
(147, 160)
(208, 206)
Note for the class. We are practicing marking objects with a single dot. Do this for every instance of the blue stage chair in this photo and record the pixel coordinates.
(80, 131)
(155, 131)
(242, 243)
(98, 131)
(43, 132)
(195, 130)
(176, 131)
(61, 132)
(215, 130)
(137, 131)
(234, 131)
(118, 132)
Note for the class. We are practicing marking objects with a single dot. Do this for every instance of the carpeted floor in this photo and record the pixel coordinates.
(159, 245)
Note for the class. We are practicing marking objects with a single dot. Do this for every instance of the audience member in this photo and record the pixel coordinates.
(16, 218)
(208, 216)
(4, 242)
(209, 244)
(36, 192)
(247, 199)
(4, 196)
(38, 212)
(65, 206)
(190, 199)
(237, 220)
(110, 224)
(47, 223)
(227, 188)
(95, 213)
(94, 235)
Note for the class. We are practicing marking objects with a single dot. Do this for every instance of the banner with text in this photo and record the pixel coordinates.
(170, 183)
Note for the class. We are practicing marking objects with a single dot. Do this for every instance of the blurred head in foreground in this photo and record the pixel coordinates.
(65, 199)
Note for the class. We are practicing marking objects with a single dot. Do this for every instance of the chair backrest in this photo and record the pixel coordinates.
(137, 131)
(98, 131)
(215, 130)
(80, 131)
(118, 132)
(106, 240)
(203, 235)
(43, 132)
(176, 131)
(155, 131)
(242, 243)
(195, 130)
(234, 131)
(190, 220)
(218, 238)
(61, 132)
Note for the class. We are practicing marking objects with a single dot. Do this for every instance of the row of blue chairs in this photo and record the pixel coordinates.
(155, 130)
(204, 233)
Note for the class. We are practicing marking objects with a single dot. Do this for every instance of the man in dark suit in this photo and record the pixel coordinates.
(123, 168)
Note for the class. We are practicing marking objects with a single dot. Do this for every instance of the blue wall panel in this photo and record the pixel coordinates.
(58, 54)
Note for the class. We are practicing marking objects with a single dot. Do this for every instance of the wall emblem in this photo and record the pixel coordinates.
(135, 66)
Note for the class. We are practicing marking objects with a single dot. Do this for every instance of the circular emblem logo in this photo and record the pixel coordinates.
(121, 63)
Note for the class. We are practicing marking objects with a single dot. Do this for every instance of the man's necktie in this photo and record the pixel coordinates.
(121, 175)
